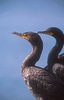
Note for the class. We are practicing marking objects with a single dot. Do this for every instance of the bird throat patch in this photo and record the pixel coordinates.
(25, 37)
(51, 33)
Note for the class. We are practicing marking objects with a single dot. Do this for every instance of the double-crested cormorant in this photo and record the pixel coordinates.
(55, 61)
(43, 85)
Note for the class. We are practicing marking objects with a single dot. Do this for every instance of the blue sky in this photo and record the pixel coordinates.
(22, 16)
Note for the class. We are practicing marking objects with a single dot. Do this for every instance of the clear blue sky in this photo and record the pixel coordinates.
(22, 16)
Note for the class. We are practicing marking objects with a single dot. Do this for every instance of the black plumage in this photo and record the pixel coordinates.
(43, 85)
(56, 61)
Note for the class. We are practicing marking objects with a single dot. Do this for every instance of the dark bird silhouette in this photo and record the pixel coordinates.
(43, 85)
(56, 61)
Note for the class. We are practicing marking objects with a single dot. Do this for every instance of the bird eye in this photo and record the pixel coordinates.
(25, 34)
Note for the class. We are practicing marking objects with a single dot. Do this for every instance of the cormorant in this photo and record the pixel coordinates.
(56, 61)
(43, 85)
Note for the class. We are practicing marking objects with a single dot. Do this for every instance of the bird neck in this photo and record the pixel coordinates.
(34, 56)
(53, 55)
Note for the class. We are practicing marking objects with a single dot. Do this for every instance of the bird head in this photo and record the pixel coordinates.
(53, 31)
(30, 36)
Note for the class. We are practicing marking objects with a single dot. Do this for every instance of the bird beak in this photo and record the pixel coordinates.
(21, 35)
(42, 32)
(45, 32)
(18, 34)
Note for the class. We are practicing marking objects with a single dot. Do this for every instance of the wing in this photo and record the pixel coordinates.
(41, 82)
(58, 70)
